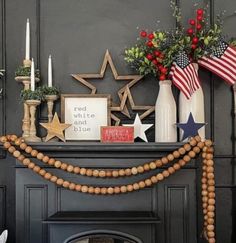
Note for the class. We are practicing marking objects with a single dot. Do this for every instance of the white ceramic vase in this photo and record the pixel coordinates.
(165, 114)
(195, 105)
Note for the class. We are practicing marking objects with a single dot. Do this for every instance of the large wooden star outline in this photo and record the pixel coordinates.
(124, 93)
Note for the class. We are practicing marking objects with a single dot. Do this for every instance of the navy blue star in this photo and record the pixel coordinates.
(191, 127)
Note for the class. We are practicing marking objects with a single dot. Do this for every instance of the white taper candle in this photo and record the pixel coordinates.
(32, 76)
(50, 71)
(27, 42)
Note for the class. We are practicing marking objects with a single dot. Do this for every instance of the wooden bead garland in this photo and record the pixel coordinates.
(188, 151)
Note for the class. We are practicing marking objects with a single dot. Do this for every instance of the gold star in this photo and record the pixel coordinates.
(55, 128)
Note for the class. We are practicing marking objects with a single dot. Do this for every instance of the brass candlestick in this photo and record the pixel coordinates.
(50, 103)
(25, 80)
(32, 131)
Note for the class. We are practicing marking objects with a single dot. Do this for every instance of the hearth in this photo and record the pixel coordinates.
(102, 227)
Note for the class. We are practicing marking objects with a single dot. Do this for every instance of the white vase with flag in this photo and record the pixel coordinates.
(193, 103)
(165, 114)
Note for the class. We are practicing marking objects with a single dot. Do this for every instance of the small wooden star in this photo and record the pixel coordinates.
(55, 128)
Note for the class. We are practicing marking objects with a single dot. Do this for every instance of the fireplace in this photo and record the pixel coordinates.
(102, 227)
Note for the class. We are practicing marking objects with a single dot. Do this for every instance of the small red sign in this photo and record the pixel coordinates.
(117, 134)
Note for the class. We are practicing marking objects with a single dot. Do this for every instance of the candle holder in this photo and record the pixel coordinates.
(50, 104)
(32, 130)
(25, 80)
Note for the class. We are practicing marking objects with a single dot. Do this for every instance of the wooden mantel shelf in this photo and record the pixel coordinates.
(70, 217)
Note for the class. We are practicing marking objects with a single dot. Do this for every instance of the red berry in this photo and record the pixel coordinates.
(161, 56)
(193, 46)
(154, 61)
(192, 22)
(195, 40)
(199, 18)
(149, 57)
(151, 36)
(143, 33)
(160, 66)
(199, 26)
(162, 77)
(149, 43)
(190, 31)
(199, 11)
(157, 53)
(164, 70)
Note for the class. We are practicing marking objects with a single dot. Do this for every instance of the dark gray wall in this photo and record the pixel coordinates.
(77, 33)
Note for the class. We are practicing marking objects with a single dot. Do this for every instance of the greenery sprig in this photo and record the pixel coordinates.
(32, 95)
(25, 71)
(49, 90)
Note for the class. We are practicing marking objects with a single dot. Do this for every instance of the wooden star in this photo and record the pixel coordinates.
(124, 93)
(55, 128)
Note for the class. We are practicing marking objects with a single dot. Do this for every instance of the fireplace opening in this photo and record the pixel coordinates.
(103, 237)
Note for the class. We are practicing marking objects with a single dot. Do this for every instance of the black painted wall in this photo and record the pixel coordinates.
(77, 33)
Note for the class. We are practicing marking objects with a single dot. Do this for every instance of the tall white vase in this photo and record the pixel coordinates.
(195, 105)
(165, 114)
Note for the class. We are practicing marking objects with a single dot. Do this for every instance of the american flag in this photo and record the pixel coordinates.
(222, 62)
(184, 75)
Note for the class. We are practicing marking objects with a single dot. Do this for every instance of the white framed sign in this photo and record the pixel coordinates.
(86, 113)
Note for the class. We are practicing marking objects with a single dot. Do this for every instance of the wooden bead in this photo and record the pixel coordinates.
(164, 160)
(130, 188)
(142, 184)
(82, 171)
(3, 139)
(78, 187)
(158, 163)
(128, 172)
(117, 190)
(28, 149)
(208, 143)
(13, 138)
(42, 172)
(187, 158)
(104, 190)
(193, 142)
(115, 173)
(89, 172)
(204, 174)
(176, 166)
(53, 179)
(16, 154)
(210, 150)
(204, 167)
(23, 146)
(210, 221)
(204, 193)
(36, 169)
(6, 145)
(204, 205)
(31, 165)
(91, 190)
(187, 147)
(205, 217)
(40, 156)
(204, 180)
(110, 190)
(102, 173)
(154, 179)
(21, 157)
(136, 186)
(171, 170)
(196, 150)
(51, 161)
(204, 186)
(152, 166)
(140, 169)
(84, 189)
(211, 240)
(148, 182)
(176, 154)
(211, 188)
(204, 199)
(97, 190)
(18, 141)
(76, 169)
(123, 189)
(210, 162)
(182, 151)
(134, 171)
(121, 172)
(204, 211)
(191, 154)
(66, 184)
(72, 186)
(165, 173)
(210, 234)
(200, 145)
(108, 173)
(47, 176)
(95, 173)
(45, 159)
(210, 214)
(57, 164)
(70, 168)
(63, 166)
(182, 162)
(198, 138)
(11, 149)
(146, 167)
(159, 177)
(210, 169)
(210, 175)
(59, 181)
(211, 195)
(211, 201)
(170, 157)
(204, 155)
(211, 208)
(209, 156)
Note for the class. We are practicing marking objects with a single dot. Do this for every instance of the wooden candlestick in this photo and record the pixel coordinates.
(32, 109)
(50, 103)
